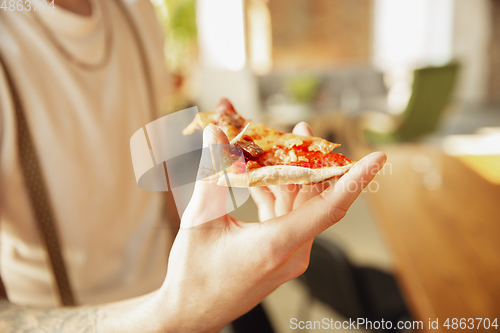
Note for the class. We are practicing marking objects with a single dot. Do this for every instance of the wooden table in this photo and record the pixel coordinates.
(445, 240)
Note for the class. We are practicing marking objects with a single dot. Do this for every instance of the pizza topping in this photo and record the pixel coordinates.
(252, 165)
(264, 146)
(250, 149)
(247, 145)
(196, 124)
(263, 133)
(230, 123)
(289, 140)
(200, 121)
(322, 145)
(224, 116)
(300, 156)
(237, 167)
(239, 136)
(316, 159)
(227, 116)
(269, 138)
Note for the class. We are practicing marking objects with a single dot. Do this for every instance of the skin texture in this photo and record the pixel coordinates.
(133, 315)
(219, 268)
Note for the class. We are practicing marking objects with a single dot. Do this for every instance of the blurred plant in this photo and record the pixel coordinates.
(302, 88)
(178, 18)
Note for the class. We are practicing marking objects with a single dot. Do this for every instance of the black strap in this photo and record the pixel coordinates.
(39, 198)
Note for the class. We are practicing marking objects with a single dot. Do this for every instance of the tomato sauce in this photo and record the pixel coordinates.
(315, 159)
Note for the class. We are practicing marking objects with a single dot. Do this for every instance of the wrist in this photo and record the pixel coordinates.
(153, 316)
(142, 314)
(185, 312)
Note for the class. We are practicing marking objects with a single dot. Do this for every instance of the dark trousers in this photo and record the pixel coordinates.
(255, 320)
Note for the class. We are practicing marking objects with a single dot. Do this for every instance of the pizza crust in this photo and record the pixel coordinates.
(282, 175)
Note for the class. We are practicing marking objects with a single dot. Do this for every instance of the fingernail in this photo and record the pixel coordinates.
(375, 159)
(385, 157)
(375, 156)
(303, 128)
(210, 135)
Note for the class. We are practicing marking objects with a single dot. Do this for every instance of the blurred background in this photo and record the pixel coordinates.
(417, 79)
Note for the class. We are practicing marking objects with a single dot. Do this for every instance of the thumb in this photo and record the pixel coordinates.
(209, 199)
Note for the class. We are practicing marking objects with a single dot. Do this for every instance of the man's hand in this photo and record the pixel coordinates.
(220, 268)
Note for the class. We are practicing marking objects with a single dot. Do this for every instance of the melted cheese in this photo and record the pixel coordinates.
(238, 137)
(322, 145)
(212, 117)
(265, 137)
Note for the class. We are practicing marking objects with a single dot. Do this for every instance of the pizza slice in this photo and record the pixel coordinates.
(272, 157)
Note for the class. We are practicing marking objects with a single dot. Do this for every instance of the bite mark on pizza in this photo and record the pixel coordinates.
(271, 156)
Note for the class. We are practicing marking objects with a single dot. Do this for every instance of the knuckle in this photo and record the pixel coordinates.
(336, 214)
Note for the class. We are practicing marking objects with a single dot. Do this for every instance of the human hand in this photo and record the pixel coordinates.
(219, 267)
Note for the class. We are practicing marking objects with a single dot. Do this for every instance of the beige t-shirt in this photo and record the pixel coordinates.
(113, 236)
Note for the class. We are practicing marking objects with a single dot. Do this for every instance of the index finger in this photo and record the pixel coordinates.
(326, 209)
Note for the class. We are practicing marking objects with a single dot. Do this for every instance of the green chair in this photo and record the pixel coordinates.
(431, 92)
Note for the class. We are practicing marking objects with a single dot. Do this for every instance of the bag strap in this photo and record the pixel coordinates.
(38, 194)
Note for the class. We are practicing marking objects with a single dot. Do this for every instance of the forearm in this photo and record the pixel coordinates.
(134, 315)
